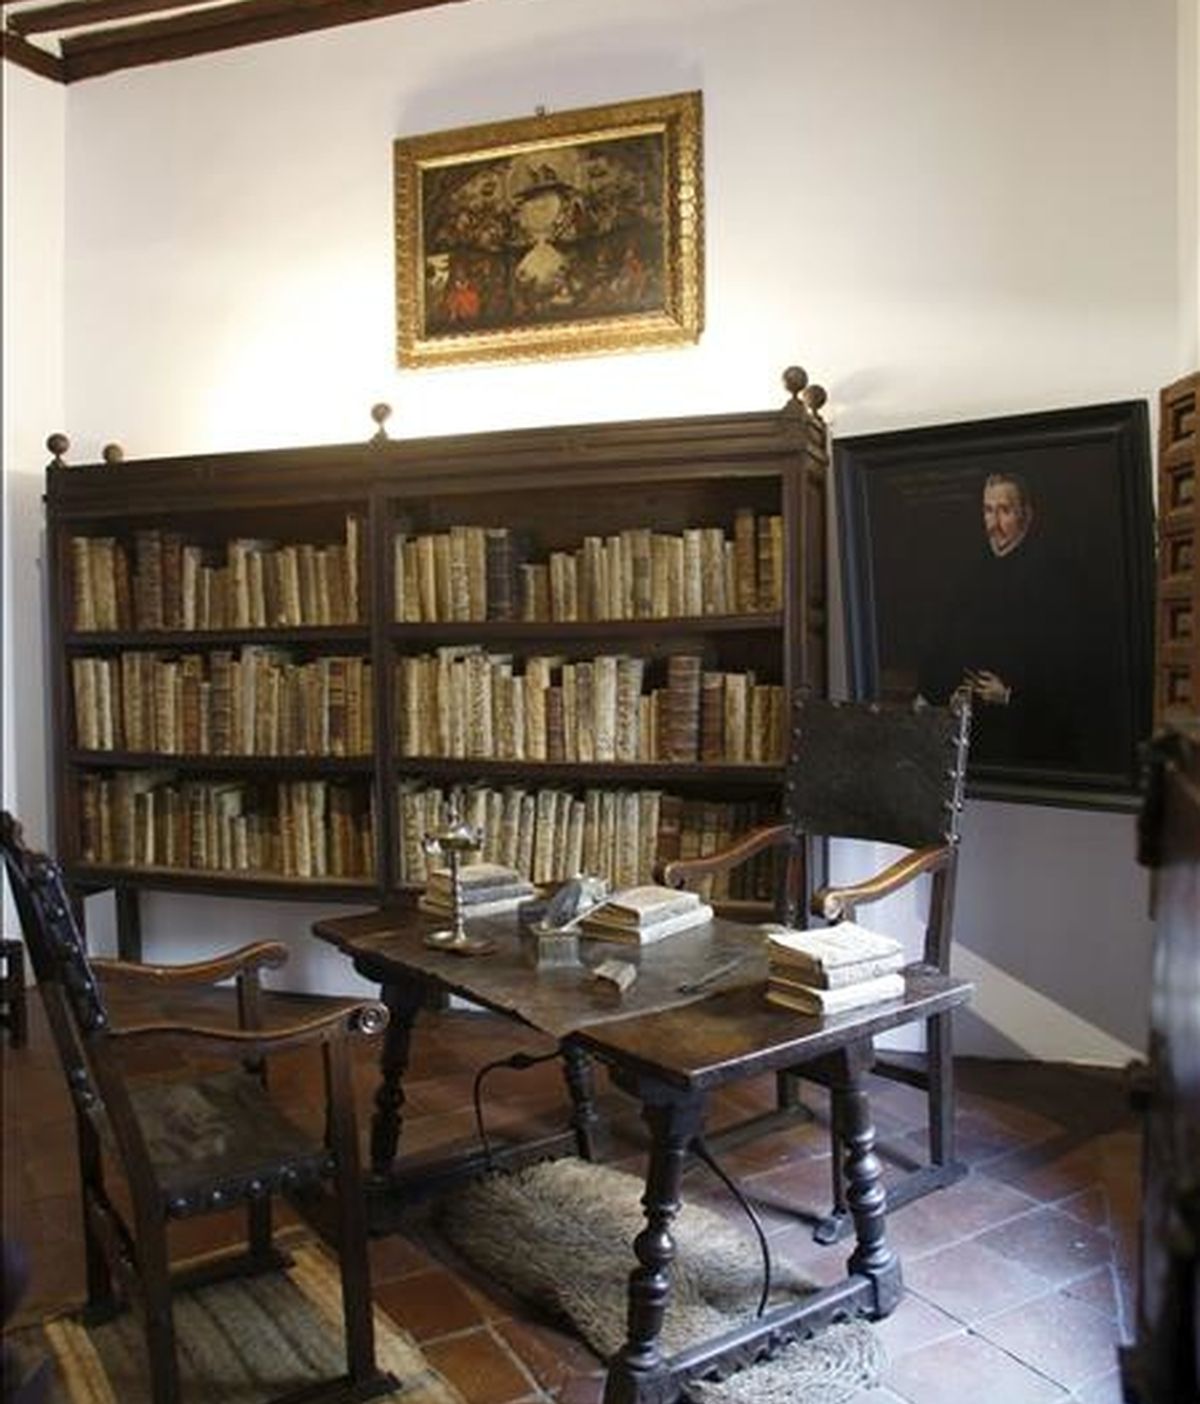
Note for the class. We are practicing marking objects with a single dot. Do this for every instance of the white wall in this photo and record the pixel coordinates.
(943, 208)
(34, 126)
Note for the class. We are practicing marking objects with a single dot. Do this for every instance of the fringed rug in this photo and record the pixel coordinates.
(559, 1235)
(241, 1341)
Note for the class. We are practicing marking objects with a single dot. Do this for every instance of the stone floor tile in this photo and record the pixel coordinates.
(480, 1367)
(1051, 1243)
(969, 1281)
(1059, 1335)
(965, 1367)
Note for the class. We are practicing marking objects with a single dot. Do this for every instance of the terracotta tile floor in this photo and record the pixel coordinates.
(1019, 1279)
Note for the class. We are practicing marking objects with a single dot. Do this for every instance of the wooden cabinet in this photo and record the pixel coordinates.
(272, 668)
(1177, 661)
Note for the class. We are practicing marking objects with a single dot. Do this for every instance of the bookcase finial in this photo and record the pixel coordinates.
(795, 378)
(112, 453)
(814, 397)
(58, 444)
(380, 413)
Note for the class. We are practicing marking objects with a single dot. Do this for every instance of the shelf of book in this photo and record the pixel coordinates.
(231, 629)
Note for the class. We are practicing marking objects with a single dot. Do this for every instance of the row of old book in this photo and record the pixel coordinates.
(162, 581)
(467, 703)
(549, 834)
(258, 702)
(299, 828)
(470, 573)
(830, 969)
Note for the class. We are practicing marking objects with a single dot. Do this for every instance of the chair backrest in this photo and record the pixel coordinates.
(70, 993)
(885, 772)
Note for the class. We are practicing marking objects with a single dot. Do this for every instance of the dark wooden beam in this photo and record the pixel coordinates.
(225, 27)
(81, 14)
(25, 55)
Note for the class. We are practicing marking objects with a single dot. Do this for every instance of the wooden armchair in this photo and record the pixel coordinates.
(188, 1147)
(883, 773)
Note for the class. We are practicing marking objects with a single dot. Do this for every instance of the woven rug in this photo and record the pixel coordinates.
(241, 1341)
(559, 1235)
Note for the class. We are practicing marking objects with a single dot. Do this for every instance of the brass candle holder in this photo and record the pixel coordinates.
(455, 839)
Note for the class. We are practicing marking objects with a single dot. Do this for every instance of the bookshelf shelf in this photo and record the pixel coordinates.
(704, 537)
(608, 631)
(97, 876)
(594, 772)
(229, 765)
(354, 637)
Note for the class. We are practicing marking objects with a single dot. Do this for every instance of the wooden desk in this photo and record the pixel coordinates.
(670, 1050)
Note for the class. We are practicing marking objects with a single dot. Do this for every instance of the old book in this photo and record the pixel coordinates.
(836, 976)
(660, 576)
(605, 671)
(809, 1000)
(712, 716)
(610, 922)
(556, 732)
(83, 595)
(630, 671)
(826, 948)
(499, 582)
(644, 905)
(683, 706)
(745, 561)
(736, 693)
(476, 549)
(356, 566)
(104, 583)
(443, 576)
(148, 593)
(693, 571)
(712, 571)
(535, 591)
(459, 581)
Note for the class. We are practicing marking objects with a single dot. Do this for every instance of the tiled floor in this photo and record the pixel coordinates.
(1019, 1279)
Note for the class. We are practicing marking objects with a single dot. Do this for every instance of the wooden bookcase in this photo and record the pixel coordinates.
(252, 730)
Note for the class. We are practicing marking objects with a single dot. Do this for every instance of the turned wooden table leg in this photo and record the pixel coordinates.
(581, 1084)
(866, 1198)
(403, 1001)
(637, 1374)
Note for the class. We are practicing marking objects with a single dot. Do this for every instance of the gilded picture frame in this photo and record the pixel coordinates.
(563, 234)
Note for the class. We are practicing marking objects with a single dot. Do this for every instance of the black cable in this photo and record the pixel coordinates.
(518, 1061)
(700, 1148)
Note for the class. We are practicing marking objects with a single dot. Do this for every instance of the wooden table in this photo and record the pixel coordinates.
(670, 1049)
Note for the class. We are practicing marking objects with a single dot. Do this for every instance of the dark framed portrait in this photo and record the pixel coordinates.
(566, 233)
(1012, 557)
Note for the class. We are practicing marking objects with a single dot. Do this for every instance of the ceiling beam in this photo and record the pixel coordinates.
(25, 55)
(79, 14)
(226, 27)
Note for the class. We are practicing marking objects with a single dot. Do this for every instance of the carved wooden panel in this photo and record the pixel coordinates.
(1177, 663)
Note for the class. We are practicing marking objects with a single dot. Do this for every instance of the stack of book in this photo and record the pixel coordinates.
(639, 915)
(833, 968)
(485, 889)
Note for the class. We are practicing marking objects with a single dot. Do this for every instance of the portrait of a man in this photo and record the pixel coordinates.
(1016, 572)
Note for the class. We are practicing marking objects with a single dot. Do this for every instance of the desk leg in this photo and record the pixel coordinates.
(636, 1375)
(403, 1001)
(865, 1194)
(581, 1084)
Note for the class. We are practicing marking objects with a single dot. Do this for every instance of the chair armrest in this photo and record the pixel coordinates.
(833, 903)
(683, 871)
(260, 955)
(368, 1019)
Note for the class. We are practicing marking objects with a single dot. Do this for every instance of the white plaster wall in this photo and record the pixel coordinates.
(943, 208)
(34, 135)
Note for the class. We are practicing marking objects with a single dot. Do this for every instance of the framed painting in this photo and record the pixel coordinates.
(562, 234)
(1012, 557)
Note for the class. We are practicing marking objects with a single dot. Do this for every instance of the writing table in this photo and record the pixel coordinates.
(670, 1049)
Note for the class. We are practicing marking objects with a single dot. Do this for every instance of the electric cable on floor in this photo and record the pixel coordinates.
(519, 1061)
